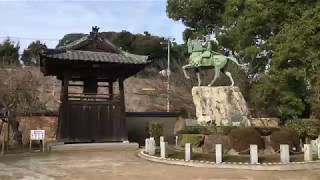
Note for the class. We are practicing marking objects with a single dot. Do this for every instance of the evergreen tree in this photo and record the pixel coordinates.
(9, 53)
(30, 55)
(279, 40)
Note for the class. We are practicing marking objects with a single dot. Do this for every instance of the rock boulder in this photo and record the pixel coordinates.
(223, 105)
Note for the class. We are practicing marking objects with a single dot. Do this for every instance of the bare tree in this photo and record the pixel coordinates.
(18, 95)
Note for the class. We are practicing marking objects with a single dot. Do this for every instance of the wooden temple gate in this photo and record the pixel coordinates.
(96, 112)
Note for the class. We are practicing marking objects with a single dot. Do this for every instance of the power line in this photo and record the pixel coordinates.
(28, 38)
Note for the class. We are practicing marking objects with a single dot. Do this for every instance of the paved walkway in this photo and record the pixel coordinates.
(124, 165)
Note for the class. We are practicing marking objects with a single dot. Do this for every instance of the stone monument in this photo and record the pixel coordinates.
(222, 105)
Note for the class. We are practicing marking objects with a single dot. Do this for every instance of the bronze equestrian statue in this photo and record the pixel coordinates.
(202, 56)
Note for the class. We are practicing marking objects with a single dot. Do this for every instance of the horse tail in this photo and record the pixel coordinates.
(235, 61)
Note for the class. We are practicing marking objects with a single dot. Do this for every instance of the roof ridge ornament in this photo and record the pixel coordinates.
(95, 30)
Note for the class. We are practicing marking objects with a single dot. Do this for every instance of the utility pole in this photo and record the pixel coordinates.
(168, 72)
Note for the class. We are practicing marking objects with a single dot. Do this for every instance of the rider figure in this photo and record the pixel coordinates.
(207, 48)
(201, 51)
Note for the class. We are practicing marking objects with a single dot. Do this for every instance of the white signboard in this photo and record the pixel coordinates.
(37, 134)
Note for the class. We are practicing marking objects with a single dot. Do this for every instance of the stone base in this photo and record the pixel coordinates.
(93, 147)
(223, 105)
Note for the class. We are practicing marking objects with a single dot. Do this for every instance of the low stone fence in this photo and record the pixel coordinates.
(150, 147)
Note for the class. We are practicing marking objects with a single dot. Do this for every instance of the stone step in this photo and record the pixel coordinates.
(93, 147)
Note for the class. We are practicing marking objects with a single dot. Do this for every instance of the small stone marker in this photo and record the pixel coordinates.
(177, 140)
(146, 145)
(307, 152)
(253, 154)
(188, 151)
(219, 153)
(318, 150)
(2, 145)
(163, 149)
(284, 153)
(161, 139)
(318, 146)
(37, 135)
(152, 146)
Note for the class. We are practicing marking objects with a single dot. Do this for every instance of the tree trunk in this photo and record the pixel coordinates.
(14, 124)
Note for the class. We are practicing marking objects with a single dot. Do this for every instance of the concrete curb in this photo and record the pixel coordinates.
(234, 165)
(94, 147)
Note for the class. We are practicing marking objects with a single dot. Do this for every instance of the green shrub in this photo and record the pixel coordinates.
(285, 136)
(195, 139)
(155, 130)
(306, 128)
(194, 130)
(241, 138)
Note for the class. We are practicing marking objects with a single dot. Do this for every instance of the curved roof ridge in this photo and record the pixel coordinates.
(76, 44)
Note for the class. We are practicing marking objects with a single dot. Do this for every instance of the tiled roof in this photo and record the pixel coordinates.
(78, 55)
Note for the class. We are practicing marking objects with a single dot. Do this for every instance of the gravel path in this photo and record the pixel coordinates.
(124, 165)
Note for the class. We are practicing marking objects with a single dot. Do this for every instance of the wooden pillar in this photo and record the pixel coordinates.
(122, 110)
(63, 126)
(121, 91)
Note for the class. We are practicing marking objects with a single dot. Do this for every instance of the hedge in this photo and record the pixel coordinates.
(309, 128)
(285, 136)
(155, 129)
(241, 138)
(195, 139)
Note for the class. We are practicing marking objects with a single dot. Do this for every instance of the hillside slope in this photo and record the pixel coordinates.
(138, 96)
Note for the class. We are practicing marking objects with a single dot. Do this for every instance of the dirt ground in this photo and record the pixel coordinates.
(124, 165)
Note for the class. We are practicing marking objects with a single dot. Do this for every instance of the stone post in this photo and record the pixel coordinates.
(219, 153)
(188, 151)
(152, 146)
(2, 148)
(253, 154)
(163, 149)
(177, 140)
(161, 139)
(318, 147)
(146, 145)
(307, 152)
(284, 153)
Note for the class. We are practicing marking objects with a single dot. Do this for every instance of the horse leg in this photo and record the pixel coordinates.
(227, 73)
(199, 79)
(184, 68)
(216, 75)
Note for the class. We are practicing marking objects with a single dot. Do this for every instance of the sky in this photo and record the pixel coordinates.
(49, 20)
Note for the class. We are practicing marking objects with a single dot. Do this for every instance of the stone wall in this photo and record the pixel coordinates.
(136, 125)
(27, 123)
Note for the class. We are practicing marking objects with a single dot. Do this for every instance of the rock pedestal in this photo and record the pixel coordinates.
(223, 105)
